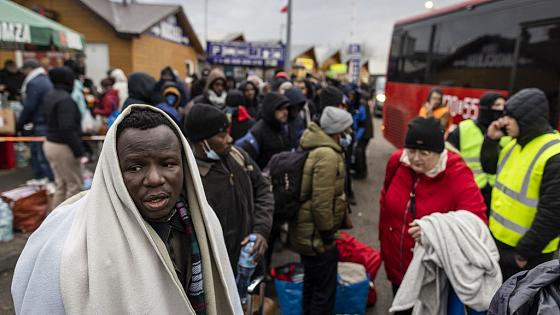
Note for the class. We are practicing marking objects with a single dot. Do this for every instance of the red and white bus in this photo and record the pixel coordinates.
(467, 50)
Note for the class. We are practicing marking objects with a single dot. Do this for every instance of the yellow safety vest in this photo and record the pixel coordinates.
(515, 196)
(470, 143)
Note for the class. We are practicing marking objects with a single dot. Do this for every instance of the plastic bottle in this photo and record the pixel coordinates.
(6, 221)
(245, 268)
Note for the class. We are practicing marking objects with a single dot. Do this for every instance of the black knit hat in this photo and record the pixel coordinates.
(425, 134)
(330, 96)
(203, 122)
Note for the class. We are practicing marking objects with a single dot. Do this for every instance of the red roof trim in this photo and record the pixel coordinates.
(442, 11)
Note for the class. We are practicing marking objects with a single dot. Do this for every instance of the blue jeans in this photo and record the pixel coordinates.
(39, 163)
(456, 307)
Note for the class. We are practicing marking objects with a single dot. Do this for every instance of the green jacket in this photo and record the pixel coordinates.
(320, 216)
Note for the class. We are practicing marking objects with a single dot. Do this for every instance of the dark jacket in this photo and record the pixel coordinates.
(530, 108)
(530, 292)
(240, 196)
(253, 106)
(61, 112)
(35, 94)
(297, 122)
(268, 135)
(140, 87)
(160, 85)
(240, 119)
(13, 82)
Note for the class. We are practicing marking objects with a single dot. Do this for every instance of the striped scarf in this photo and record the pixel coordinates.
(195, 291)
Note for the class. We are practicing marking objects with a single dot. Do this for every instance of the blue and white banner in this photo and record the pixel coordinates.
(355, 55)
(246, 54)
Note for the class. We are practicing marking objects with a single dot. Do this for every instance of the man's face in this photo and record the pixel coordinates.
(436, 99)
(166, 76)
(152, 168)
(221, 143)
(499, 104)
(281, 114)
(250, 92)
(302, 87)
(510, 125)
(218, 87)
(12, 68)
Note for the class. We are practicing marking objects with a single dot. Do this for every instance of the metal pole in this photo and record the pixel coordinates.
(288, 63)
(206, 20)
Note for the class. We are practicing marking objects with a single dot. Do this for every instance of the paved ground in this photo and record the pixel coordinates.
(365, 217)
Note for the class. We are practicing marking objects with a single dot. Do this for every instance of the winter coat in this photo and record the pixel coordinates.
(240, 196)
(35, 92)
(120, 85)
(13, 83)
(61, 112)
(363, 123)
(108, 104)
(322, 188)
(452, 189)
(160, 85)
(140, 87)
(530, 109)
(267, 137)
(534, 291)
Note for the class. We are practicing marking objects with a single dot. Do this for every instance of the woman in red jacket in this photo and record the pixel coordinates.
(421, 179)
(109, 100)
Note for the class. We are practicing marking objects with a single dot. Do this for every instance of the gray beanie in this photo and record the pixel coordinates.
(335, 120)
(31, 64)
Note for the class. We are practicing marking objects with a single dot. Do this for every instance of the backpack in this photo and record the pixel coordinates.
(286, 172)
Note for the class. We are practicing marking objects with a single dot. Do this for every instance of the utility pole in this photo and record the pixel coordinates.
(288, 61)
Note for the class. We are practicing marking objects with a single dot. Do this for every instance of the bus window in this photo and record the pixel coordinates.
(475, 50)
(538, 64)
(409, 54)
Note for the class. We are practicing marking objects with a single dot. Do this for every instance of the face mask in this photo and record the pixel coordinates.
(345, 140)
(210, 154)
(170, 99)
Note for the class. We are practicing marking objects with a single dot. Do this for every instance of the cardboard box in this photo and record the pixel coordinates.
(7, 121)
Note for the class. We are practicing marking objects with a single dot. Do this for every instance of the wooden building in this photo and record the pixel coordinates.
(128, 35)
(331, 58)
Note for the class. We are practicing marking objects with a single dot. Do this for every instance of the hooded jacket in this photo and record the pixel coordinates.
(240, 119)
(270, 136)
(171, 109)
(299, 115)
(253, 107)
(215, 75)
(395, 215)
(534, 291)
(120, 85)
(161, 84)
(61, 112)
(322, 186)
(530, 109)
(240, 196)
(34, 89)
(140, 87)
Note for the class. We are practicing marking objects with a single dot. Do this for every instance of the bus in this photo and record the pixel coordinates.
(469, 49)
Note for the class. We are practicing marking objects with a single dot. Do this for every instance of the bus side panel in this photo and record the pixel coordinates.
(404, 100)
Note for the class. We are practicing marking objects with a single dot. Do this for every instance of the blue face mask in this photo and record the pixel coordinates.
(171, 99)
(345, 140)
(210, 154)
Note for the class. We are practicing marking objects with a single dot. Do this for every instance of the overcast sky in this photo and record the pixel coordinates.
(327, 24)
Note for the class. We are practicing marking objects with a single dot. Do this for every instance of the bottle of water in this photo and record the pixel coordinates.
(6, 221)
(245, 268)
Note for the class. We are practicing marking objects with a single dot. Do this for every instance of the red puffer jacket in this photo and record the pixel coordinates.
(452, 189)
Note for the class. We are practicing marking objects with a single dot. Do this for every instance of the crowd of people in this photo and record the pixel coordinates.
(175, 197)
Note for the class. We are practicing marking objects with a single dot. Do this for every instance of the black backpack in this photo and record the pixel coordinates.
(286, 172)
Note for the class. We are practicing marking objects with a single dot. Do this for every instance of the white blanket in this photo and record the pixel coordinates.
(456, 248)
(96, 255)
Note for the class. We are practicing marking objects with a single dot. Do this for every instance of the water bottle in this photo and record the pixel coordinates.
(245, 268)
(6, 221)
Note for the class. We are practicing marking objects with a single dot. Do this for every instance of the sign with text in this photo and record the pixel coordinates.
(246, 54)
(169, 29)
(354, 53)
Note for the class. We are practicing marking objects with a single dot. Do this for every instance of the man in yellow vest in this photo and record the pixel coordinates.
(525, 207)
(468, 137)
